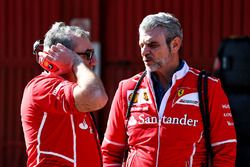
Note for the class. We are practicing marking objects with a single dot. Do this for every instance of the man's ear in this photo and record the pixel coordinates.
(175, 44)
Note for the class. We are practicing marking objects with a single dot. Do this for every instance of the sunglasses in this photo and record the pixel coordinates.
(38, 47)
(89, 53)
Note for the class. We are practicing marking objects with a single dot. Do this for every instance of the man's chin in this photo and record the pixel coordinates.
(151, 69)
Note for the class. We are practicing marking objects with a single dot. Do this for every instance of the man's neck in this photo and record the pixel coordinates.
(166, 77)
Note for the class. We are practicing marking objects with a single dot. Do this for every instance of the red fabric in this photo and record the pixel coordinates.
(171, 136)
(56, 134)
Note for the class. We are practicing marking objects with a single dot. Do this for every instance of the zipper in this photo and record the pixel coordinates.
(159, 143)
(159, 120)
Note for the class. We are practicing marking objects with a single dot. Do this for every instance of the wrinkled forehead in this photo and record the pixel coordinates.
(147, 36)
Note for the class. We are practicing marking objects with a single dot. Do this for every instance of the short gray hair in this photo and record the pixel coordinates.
(61, 33)
(168, 22)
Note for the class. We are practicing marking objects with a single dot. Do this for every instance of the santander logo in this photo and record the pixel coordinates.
(142, 119)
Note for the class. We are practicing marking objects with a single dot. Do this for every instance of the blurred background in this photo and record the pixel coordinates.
(114, 30)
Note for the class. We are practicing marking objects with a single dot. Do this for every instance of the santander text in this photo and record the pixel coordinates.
(185, 121)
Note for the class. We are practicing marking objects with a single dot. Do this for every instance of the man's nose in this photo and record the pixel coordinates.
(145, 50)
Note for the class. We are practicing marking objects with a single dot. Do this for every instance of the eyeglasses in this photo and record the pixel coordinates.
(38, 47)
(89, 53)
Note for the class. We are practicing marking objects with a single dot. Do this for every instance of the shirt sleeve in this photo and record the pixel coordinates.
(223, 137)
(115, 138)
(54, 95)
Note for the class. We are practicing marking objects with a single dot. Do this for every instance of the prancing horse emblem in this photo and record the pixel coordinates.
(180, 92)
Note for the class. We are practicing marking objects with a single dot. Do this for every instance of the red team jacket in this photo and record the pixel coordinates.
(172, 135)
(56, 134)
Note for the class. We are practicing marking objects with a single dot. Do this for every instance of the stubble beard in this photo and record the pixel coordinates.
(154, 67)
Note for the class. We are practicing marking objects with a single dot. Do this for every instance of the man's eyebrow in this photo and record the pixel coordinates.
(148, 42)
(152, 43)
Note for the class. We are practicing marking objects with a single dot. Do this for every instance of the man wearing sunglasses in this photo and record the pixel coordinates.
(56, 105)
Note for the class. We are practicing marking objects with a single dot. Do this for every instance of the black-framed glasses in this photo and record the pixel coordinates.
(89, 53)
(38, 47)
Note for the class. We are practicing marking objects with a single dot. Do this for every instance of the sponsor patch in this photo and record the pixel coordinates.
(141, 97)
(227, 114)
(189, 99)
(184, 120)
(229, 123)
(225, 106)
(135, 99)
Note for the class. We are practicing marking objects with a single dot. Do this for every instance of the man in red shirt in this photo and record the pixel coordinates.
(165, 127)
(56, 104)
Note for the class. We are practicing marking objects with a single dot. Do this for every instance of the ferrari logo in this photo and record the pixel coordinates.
(180, 92)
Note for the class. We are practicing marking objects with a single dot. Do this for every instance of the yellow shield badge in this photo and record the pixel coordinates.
(180, 92)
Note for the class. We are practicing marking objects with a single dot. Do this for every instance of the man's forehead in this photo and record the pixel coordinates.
(151, 35)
